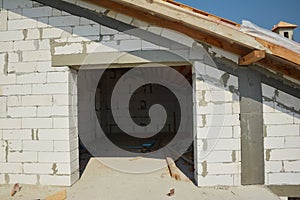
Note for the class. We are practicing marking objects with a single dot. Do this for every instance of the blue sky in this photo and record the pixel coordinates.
(264, 13)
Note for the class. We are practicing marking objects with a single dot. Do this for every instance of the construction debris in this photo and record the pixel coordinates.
(172, 192)
(173, 169)
(62, 195)
(15, 189)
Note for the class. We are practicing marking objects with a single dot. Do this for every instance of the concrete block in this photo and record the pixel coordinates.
(124, 18)
(22, 67)
(53, 157)
(33, 34)
(268, 91)
(236, 131)
(62, 122)
(37, 100)
(292, 166)
(37, 12)
(292, 142)
(23, 179)
(3, 20)
(38, 168)
(15, 14)
(274, 142)
(14, 145)
(284, 179)
(40, 55)
(278, 118)
(6, 36)
(224, 144)
(268, 107)
(53, 88)
(54, 134)
(110, 46)
(10, 123)
(38, 145)
(28, 45)
(222, 168)
(130, 45)
(19, 134)
(211, 108)
(61, 146)
(11, 168)
(107, 31)
(3, 107)
(57, 77)
(31, 78)
(45, 66)
(14, 4)
(154, 29)
(36, 123)
(22, 157)
(64, 21)
(215, 180)
(56, 32)
(284, 154)
(214, 132)
(282, 130)
(236, 107)
(71, 48)
(273, 166)
(53, 111)
(87, 30)
(139, 23)
(222, 120)
(13, 57)
(55, 180)
(6, 46)
(43, 22)
(15, 112)
(217, 157)
(21, 24)
(219, 96)
(149, 46)
(61, 100)
(178, 37)
(90, 6)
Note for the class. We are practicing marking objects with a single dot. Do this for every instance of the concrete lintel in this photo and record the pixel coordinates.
(117, 58)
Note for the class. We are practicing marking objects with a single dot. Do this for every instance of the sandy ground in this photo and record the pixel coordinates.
(103, 183)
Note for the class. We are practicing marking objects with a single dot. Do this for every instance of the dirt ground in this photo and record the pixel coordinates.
(103, 183)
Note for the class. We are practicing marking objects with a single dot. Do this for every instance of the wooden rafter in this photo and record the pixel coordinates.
(252, 57)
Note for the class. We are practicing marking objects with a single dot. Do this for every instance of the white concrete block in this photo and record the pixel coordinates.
(23, 179)
(54, 134)
(14, 145)
(36, 123)
(236, 107)
(278, 118)
(223, 168)
(19, 134)
(10, 123)
(6, 46)
(273, 166)
(284, 179)
(13, 4)
(37, 100)
(13, 57)
(222, 120)
(38, 145)
(224, 144)
(53, 88)
(236, 132)
(124, 18)
(46, 157)
(219, 96)
(61, 100)
(217, 156)
(22, 67)
(38, 168)
(15, 14)
(22, 157)
(178, 37)
(61, 122)
(64, 21)
(55, 180)
(28, 45)
(285, 154)
(292, 166)
(87, 30)
(292, 142)
(37, 12)
(61, 146)
(71, 48)
(149, 46)
(15, 112)
(214, 132)
(57, 77)
(282, 130)
(268, 91)
(268, 107)
(21, 24)
(274, 142)
(130, 45)
(31, 78)
(53, 111)
(33, 34)
(12, 168)
(107, 31)
(3, 107)
(104, 47)
(215, 180)
(3, 20)
(211, 108)
(40, 55)
(138, 23)
(6, 36)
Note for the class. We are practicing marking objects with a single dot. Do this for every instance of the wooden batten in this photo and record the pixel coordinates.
(252, 57)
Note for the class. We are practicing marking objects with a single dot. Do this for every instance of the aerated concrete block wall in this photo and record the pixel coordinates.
(281, 136)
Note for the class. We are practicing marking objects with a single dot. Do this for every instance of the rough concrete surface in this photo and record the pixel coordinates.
(101, 182)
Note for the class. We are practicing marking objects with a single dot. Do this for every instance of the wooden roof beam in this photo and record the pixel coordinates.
(254, 56)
